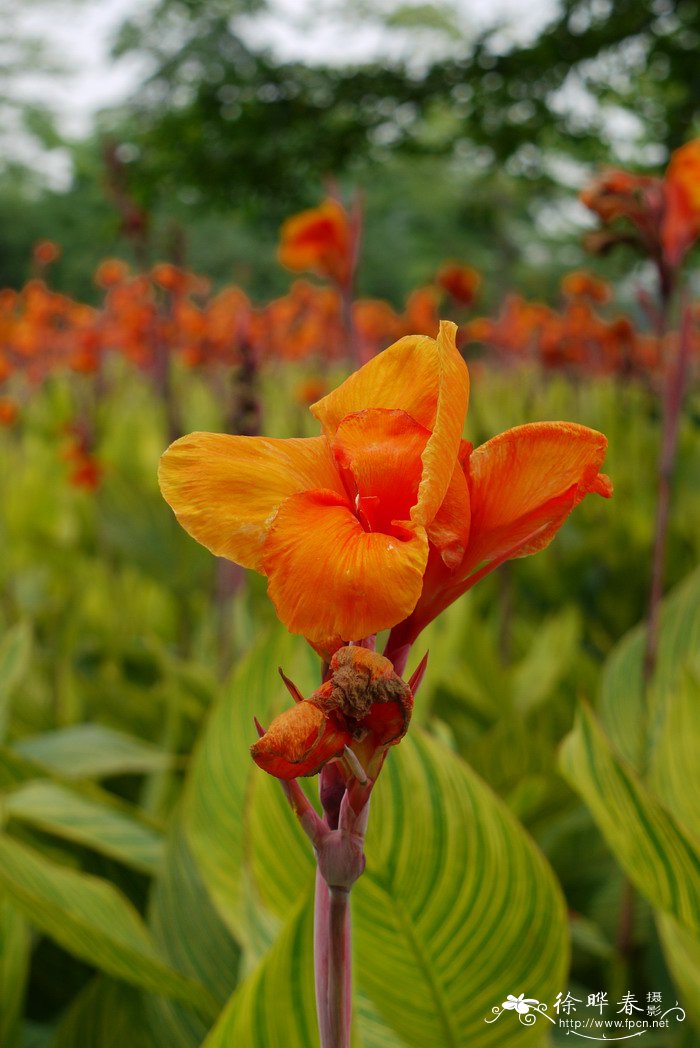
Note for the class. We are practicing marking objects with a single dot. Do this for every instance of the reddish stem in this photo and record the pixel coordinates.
(339, 970)
(672, 411)
(322, 909)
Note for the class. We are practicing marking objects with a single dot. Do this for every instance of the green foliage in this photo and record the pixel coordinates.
(448, 872)
(147, 859)
(14, 968)
(658, 856)
(15, 651)
(653, 828)
(92, 919)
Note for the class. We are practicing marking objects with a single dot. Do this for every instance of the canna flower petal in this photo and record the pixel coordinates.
(378, 453)
(522, 486)
(328, 577)
(681, 223)
(300, 741)
(225, 490)
(525, 482)
(428, 380)
(318, 240)
(449, 530)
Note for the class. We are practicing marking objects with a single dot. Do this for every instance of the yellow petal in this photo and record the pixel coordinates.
(225, 490)
(328, 576)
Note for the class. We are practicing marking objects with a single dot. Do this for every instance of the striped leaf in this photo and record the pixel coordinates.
(622, 702)
(665, 740)
(682, 952)
(223, 782)
(104, 827)
(15, 655)
(658, 854)
(275, 1005)
(14, 966)
(674, 774)
(455, 910)
(191, 935)
(90, 918)
(93, 751)
(675, 767)
(107, 1014)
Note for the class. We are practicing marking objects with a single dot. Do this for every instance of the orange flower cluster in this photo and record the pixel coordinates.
(574, 338)
(658, 216)
(41, 330)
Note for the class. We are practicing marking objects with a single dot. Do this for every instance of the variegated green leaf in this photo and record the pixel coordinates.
(14, 966)
(107, 1014)
(455, 910)
(105, 827)
(191, 935)
(92, 919)
(15, 652)
(93, 751)
(275, 1005)
(655, 850)
(633, 728)
(218, 802)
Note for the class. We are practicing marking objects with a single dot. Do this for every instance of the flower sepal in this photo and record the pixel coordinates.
(361, 709)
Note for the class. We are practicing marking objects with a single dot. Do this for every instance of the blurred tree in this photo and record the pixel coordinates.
(233, 126)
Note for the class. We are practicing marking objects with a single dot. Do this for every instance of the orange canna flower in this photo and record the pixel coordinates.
(45, 252)
(681, 223)
(459, 281)
(619, 194)
(389, 516)
(8, 411)
(664, 211)
(350, 512)
(86, 474)
(110, 272)
(421, 313)
(580, 284)
(363, 705)
(170, 277)
(318, 240)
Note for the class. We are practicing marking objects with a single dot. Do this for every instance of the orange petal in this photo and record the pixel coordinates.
(318, 240)
(525, 482)
(449, 530)
(328, 576)
(378, 453)
(681, 221)
(523, 485)
(428, 379)
(225, 490)
(299, 742)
